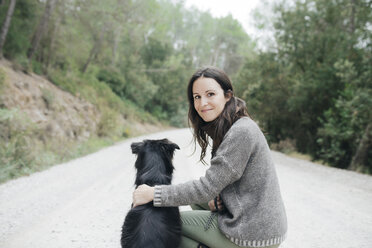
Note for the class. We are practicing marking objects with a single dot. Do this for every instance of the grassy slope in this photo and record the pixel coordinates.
(21, 150)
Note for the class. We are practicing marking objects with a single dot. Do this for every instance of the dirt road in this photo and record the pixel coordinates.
(83, 203)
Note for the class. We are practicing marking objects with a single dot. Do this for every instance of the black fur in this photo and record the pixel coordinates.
(148, 226)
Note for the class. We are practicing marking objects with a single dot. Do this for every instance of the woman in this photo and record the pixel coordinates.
(242, 174)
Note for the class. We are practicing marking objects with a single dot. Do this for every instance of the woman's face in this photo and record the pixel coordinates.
(209, 98)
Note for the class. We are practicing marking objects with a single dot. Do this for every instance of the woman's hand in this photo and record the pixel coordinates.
(212, 205)
(142, 195)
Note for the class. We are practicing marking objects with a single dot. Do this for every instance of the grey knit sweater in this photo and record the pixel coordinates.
(243, 172)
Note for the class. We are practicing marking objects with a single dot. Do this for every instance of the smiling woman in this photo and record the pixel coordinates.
(213, 116)
(240, 186)
(209, 98)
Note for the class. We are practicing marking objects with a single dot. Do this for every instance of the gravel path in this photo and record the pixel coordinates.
(83, 203)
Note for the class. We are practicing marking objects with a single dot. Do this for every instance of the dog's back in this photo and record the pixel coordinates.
(148, 226)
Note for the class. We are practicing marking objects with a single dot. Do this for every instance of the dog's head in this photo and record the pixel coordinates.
(162, 145)
(154, 153)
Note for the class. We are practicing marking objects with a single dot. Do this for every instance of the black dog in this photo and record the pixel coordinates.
(146, 225)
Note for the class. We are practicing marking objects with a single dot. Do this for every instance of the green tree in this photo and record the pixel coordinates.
(265, 84)
(346, 135)
(25, 16)
(315, 87)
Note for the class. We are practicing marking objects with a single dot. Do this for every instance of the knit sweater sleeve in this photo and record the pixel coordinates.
(226, 167)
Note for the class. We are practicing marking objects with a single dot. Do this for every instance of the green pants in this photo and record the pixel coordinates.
(193, 233)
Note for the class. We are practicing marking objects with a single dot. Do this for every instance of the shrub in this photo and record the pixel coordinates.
(2, 78)
(16, 146)
(109, 124)
(285, 146)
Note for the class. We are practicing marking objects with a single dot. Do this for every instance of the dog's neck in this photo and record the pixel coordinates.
(153, 171)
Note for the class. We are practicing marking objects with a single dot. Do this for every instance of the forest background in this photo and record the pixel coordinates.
(310, 92)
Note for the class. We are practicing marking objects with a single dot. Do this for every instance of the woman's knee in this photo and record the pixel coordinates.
(187, 242)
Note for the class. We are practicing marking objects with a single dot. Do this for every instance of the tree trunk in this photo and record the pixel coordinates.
(352, 17)
(95, 49)
(115, 45)
(52, 44)
(215, 56)
(43, 26)
(5, 27)
(91, 56)
(362, 151)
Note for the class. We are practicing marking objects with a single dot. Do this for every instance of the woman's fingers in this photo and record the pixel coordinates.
(220, 204)
(142, 195)
(212, 204)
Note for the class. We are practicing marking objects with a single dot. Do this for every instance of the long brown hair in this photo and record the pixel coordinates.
(234, 109)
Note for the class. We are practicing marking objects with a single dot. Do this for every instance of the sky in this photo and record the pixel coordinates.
(239, 9)
(243, 11)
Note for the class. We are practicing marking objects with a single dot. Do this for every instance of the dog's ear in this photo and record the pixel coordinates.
(175, 146)
(136, 147)
(170, 146)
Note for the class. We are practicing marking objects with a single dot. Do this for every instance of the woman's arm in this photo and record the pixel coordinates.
(226, 167)
(145, 194)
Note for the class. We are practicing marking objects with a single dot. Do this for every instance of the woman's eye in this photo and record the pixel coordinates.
(211, 94)
(196, 97)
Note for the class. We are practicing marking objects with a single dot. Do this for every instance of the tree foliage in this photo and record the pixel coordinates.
(144, 50)
(316, 87)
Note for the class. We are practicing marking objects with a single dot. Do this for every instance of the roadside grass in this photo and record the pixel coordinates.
(295, 154)
(54, 154)
(2, 80)
(26, 155)
(23, 152)
(17, 148)
(287, 147)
